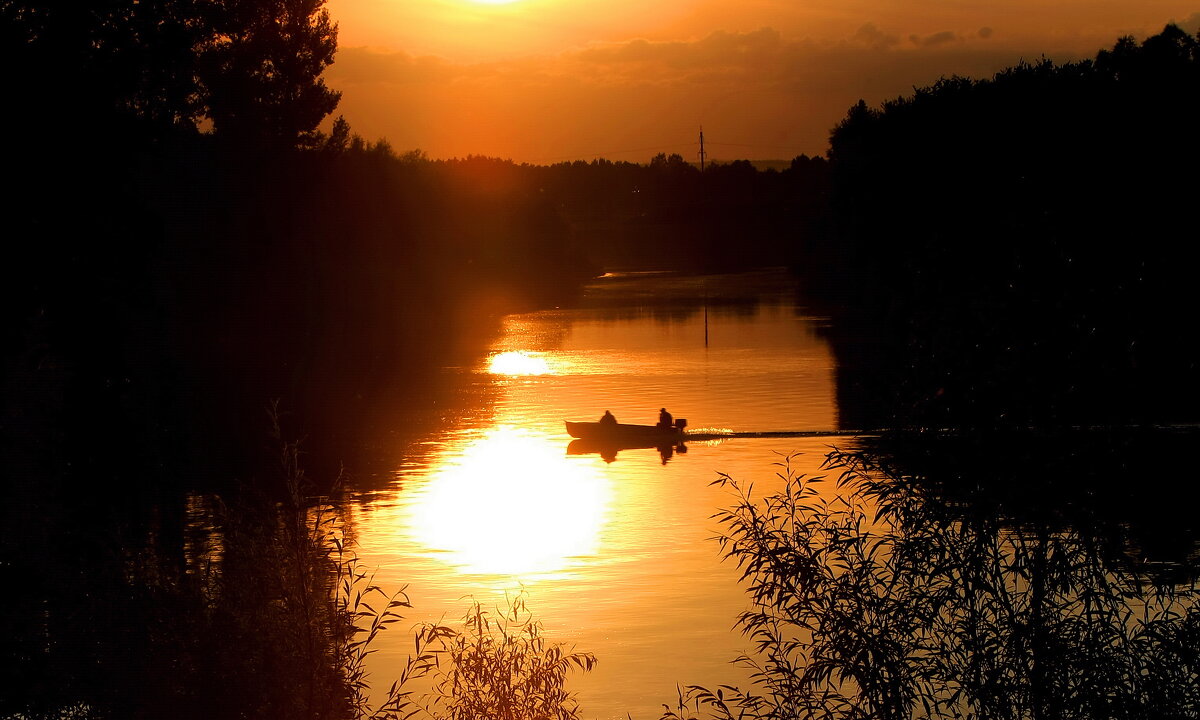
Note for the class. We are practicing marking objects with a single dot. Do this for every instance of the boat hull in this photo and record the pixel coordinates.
(652, 435)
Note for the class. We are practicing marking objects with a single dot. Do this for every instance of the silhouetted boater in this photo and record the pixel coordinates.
(664, 418)
(608, 418)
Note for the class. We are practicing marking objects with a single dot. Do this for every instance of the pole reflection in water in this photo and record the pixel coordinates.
(511, 504)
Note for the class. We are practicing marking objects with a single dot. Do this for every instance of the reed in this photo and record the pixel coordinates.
(296, 598)
(499, 666)
(880, 601)
(252, 603)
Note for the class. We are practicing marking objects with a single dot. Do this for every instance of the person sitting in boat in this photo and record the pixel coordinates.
(664, 419)
(609, 418)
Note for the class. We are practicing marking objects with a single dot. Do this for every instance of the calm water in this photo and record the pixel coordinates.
(617, 558)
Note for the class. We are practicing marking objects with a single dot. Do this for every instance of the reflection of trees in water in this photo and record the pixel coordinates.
(884, 601)
(252, 610)
(257, 608)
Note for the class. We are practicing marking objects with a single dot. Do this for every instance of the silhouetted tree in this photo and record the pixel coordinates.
(673, 162)
(94, 66)
(263, 70)
(149, 69)
(1019, 238)
(339, 138)
(149, 51)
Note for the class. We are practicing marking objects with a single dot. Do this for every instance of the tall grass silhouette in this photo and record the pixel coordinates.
(881, 601)
(498, 666)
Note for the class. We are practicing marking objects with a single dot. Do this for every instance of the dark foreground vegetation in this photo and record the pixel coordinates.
(250, 606)
(888, 600)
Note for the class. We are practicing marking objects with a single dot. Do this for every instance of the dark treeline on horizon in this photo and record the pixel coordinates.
(668, 215)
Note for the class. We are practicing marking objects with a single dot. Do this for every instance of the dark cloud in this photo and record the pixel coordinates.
(941, 38)
(718, 48)
(873, 37)
(362, 65)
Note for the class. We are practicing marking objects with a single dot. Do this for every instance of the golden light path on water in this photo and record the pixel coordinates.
(616, 555)
(515, 363)
(511, 505)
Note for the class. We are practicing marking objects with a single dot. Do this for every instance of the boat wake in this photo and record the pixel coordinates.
(704, 434)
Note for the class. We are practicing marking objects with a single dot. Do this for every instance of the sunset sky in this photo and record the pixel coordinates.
(543, 81)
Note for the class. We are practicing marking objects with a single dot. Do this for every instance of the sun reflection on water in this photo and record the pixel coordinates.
(512, 504)
(518, 363)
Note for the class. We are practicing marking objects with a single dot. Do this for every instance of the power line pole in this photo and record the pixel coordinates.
(701, 148)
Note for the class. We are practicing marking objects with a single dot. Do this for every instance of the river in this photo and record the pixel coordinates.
(616, 556)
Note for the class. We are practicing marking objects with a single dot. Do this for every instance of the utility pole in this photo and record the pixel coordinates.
(701, 148)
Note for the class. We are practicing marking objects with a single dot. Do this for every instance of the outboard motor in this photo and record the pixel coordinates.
(680, 424)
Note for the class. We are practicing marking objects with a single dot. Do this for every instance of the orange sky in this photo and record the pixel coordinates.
(548, 80)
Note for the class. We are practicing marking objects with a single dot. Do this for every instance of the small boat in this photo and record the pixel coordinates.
(622, 433)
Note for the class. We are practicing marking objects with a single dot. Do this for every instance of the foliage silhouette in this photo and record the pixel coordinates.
(883, 601)
(263, 610)
(257, 607)
(262, 70)
(499, 666)
(1019, 246)
(132, 72)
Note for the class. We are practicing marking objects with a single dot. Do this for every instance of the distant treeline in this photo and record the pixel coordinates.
(670, 215)
(665, 214)
(1022, 249)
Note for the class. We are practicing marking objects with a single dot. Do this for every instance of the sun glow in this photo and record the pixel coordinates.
(518, 363)
(512, 504)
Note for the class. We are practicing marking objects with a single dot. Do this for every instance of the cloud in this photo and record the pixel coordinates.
(718, 50)
(770, 95)
(355, 66)
(873, 37)
(985, 33)
(941, 38)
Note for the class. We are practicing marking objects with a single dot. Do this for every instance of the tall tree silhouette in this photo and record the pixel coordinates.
(263, 70)
(1019, 238)
(150, 48)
